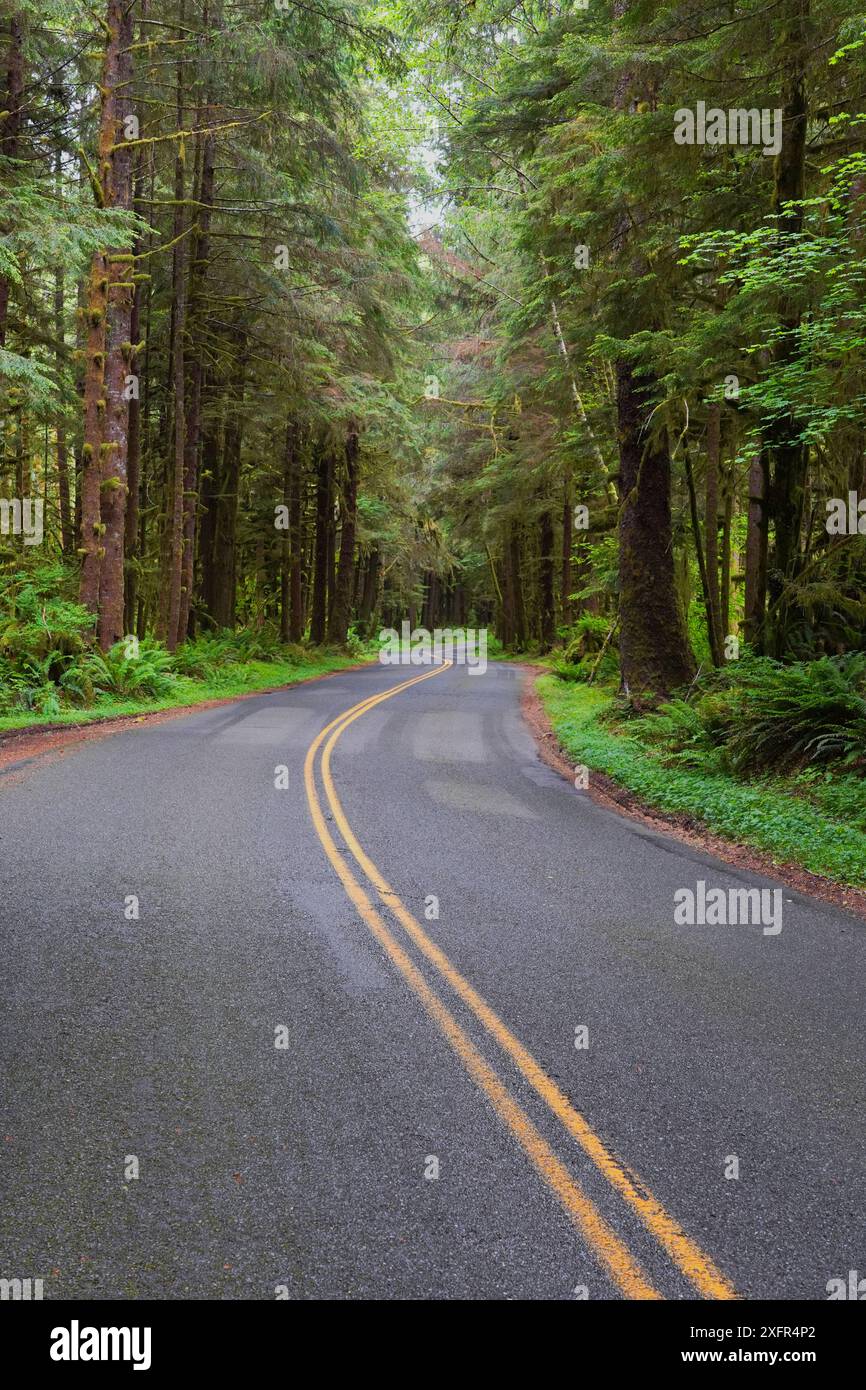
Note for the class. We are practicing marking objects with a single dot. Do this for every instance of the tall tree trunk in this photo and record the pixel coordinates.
(290, 469)
(81, 360)
(507, 626)
(756, 550)
(94, 377)
(331, 538)
(338, 629)
(104, 428)
(711, 527)
(141, 435)
(117, 185)
(324, 523)
(22, 453)
(712, 627)
(67, 535)
(175, 519)
(10, 129)
(177, 472)
(296, 521)
(211, 483)
(429, 602)
(547, 607)
(567, 537)
(790, 455)
(133, 455)
(197, 278)
(725, 597)
(371, 589)
(654, 650)
(516, 579)
(225, 558)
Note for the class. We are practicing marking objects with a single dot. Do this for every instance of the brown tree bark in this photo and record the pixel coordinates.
(80, 373)
(725, 597)
(712, 627)
(133, 446)
(565, 587)
(790, 456)
(324, 525)
(296, 520)
(197, 278)
(104, 429)
(507, 626)
(288, 554)
(370, 593)
(546, 603)
(210, 488)
(654, 650)
(338, 628)
(430, 601)
(516, 581)
(331, 539)
(117, 193)
(94, 405)
(67, 533)
(756, 550)
(10, 129)
(178, 372)
(711, 528)
(655, 655)
(224, 552)
(177, 476)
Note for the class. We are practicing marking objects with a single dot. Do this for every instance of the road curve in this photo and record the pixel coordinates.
(337, 1046)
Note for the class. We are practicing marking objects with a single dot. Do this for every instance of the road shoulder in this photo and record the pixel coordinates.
(605, 791)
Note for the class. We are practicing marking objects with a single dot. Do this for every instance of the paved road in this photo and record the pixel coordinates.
(308, 1168)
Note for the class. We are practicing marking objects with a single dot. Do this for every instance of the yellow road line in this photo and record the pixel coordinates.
(694, 1263)
(607, 1245)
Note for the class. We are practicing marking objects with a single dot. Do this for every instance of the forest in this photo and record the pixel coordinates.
(541, 317)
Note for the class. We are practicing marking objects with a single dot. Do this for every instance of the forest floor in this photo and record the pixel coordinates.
(809, 833)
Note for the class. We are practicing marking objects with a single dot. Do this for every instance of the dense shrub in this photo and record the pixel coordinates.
(588, 650)
(49, 661)
(678, 729)
(758, 715)
(43, 631)
(788, 715)
(202, 657)
(148, 674)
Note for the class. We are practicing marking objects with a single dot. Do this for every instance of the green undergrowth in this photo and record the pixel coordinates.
(52, 672)
(172, 690)
(813, 816)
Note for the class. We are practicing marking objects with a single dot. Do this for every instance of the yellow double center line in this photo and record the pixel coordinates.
(610, 1249)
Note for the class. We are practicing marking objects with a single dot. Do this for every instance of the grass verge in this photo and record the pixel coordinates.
(793, 820)
(238, 678)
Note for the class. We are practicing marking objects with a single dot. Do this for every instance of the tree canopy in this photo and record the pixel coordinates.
(546, 317)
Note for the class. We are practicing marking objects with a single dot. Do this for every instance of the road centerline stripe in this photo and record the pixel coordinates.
(600, 1237)
(690, 1259)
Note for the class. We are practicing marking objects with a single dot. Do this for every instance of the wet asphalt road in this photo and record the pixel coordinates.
(301, 1169)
